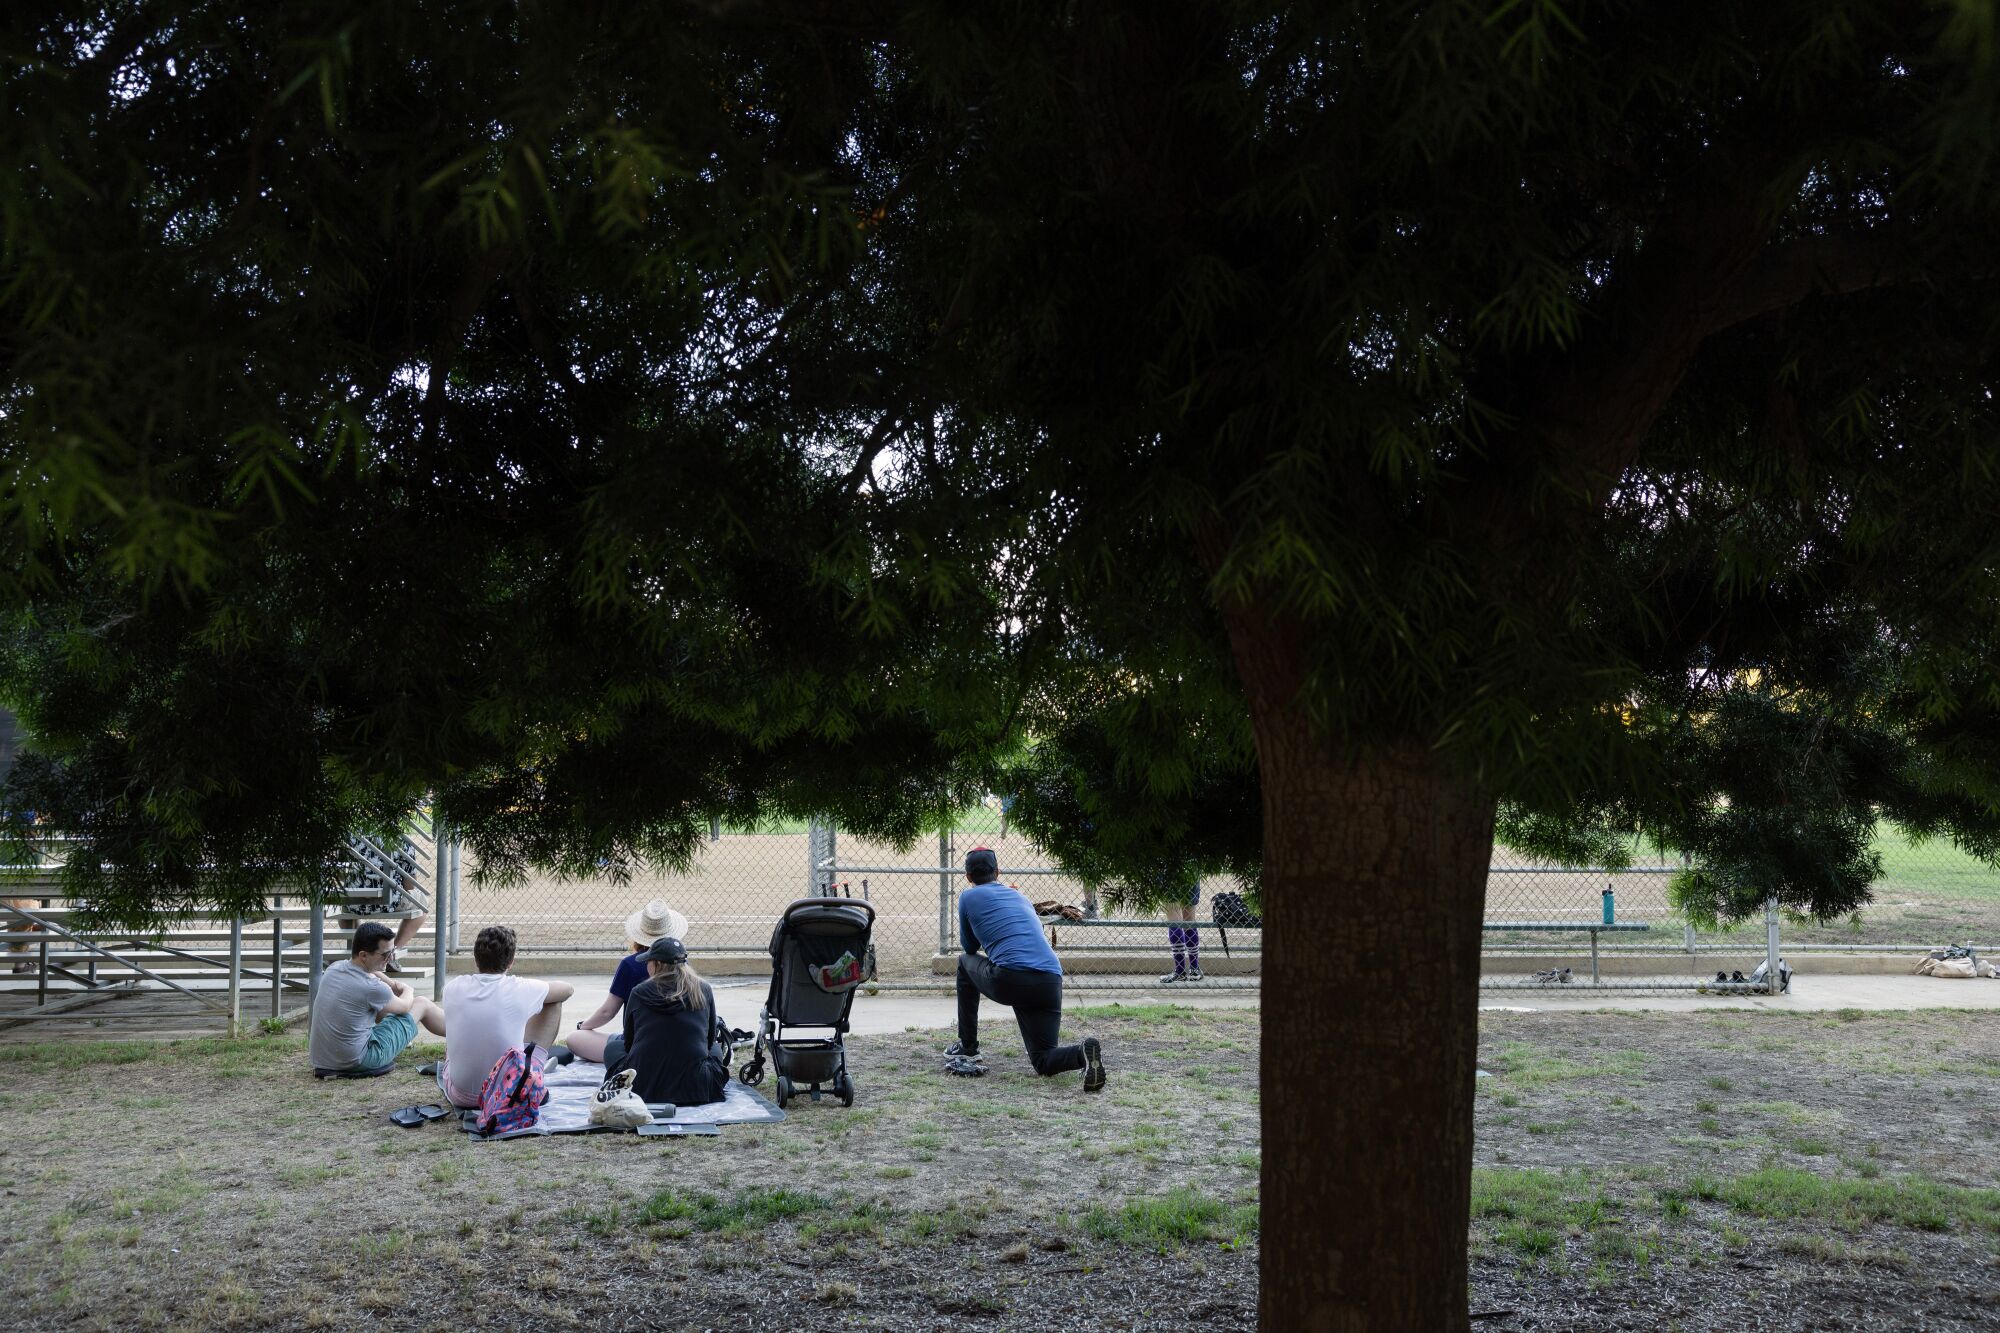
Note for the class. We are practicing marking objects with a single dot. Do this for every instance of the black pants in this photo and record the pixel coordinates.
(1036, 999)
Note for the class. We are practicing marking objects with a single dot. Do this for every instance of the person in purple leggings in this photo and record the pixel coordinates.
(1185, 940)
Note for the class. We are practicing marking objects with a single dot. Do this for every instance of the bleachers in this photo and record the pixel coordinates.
(67, 968)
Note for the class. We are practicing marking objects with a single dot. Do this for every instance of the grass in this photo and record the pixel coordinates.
(1524, 1066)
(1935, 868)
(1159, 1013)
(1922, 1205)
(1531, 1211)
(744, 1213)
(225, 1056)
(1167, 1222)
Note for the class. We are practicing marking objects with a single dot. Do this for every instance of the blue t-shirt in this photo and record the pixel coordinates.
(631, 971)
(1002, 921)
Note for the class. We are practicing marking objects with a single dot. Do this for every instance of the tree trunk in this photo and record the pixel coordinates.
(1374, 885)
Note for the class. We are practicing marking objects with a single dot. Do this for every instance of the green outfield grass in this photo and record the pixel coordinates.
(1934, 868)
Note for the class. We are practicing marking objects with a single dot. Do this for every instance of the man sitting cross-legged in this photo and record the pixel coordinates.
(360, 1019)
(493, 1011)
(1019, 969)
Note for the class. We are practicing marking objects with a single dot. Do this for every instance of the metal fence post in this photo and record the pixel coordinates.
(1771, 946)
(821, 847)
(946, 936)
(440, 892)
(277, 957)
(315, 956)
(454, 892)
(235, 976)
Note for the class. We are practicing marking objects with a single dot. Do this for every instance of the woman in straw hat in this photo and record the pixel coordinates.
(652, 922)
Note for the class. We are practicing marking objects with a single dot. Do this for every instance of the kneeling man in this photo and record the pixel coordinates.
(493, 1011)
(1019, 969)
(361, 1020)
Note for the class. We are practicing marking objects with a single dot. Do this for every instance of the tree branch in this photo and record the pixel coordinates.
(479, 276)
(1819, 265)
(878, 439)
(1590, 416)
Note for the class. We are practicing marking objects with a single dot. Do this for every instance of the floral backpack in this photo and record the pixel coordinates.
(512, 1096)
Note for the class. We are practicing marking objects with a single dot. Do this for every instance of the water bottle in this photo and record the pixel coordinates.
(1609, 913)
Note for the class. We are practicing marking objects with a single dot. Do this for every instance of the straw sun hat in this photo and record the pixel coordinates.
(654, 921)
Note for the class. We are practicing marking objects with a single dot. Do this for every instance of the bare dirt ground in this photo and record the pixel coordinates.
(1635, 1171)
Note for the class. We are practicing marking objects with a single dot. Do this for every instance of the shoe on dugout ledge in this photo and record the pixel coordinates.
(1176, 975)
(1195, 974)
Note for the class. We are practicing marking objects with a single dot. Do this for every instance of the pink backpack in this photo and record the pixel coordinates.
(511, 1097)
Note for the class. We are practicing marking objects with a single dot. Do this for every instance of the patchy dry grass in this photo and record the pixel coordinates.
(932, 1197)
(1648, 1171)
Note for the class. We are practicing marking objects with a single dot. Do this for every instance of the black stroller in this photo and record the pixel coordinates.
(819, 958)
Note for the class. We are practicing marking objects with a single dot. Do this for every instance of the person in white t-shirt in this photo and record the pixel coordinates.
(492, 1011)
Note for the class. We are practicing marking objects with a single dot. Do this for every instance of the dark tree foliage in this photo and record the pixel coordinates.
(616, 416)
(401, 402)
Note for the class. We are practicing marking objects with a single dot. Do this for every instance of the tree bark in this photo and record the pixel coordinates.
(1374, 884)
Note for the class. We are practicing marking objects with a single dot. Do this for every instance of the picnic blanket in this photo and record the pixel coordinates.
(567, 1110)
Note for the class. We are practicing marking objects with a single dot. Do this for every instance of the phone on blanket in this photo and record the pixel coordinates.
(668, 1129)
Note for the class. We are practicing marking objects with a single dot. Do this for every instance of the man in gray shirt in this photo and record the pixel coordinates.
(361, 1019)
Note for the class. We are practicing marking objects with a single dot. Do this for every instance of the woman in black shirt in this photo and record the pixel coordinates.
(673, 1037)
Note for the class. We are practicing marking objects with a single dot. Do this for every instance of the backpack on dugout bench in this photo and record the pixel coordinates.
(1231, 910)
(511, 1097)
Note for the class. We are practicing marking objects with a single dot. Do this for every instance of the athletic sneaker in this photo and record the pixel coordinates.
(560, 1055)
(965, 1067)
(1093, 1065)
(959, 1048)
(1173, 976)
(1194, 974)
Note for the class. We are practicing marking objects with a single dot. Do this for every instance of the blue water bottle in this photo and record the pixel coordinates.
(1609, 914)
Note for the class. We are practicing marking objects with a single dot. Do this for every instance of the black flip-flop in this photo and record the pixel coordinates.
(409, 1117)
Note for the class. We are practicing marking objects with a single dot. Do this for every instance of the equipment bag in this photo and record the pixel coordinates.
(1231, 910)
(511, 1097)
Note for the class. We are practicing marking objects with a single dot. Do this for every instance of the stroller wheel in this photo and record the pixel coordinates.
(784, 1091)
(751, 1074)
(843, 1088)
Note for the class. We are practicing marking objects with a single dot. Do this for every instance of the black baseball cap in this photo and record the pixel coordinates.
(666, 949)
(982, 864)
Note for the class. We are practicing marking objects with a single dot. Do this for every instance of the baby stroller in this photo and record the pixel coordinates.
(818, 961)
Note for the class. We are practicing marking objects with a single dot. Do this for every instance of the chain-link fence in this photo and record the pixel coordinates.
(732, 895)
(1929, 894)
(1546, 925)
(1551, 927)
(1101, 945)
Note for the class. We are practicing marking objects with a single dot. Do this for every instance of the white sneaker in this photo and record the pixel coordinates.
(1194, 974)
(1171, 977)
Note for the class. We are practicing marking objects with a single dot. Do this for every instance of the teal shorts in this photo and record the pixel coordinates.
(392, 1033)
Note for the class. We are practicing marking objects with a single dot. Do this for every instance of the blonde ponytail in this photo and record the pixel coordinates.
(679, 981)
